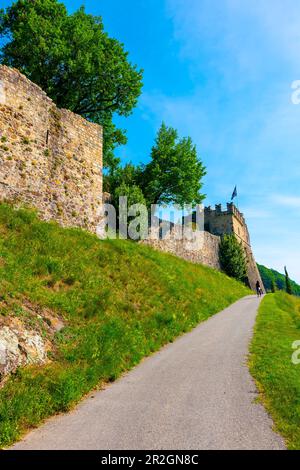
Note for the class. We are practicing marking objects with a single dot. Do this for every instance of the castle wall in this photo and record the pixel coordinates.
(231, 221)
(252, 269)
(216, 223)
(227, 222)
(50, 158)
(204, 250)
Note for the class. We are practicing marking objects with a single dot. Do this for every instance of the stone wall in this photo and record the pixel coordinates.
(204, 249)
(50, 158)
(232, 221)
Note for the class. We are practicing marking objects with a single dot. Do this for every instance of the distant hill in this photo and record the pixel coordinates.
(268, 275)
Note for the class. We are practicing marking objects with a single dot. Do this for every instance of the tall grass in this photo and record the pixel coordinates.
(120, 301)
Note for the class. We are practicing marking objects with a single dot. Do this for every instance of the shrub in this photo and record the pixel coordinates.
(232, 258)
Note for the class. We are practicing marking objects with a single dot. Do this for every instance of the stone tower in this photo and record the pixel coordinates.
(232, 221)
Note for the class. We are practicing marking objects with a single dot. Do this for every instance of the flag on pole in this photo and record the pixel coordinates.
(234, 194)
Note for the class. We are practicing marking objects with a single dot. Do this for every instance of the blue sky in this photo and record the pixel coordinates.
(221, 71)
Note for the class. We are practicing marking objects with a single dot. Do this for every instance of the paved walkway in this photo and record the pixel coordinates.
(196, 393)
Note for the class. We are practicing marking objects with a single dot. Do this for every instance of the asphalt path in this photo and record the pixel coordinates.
(196, 393)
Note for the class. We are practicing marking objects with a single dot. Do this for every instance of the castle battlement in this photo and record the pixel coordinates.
(230, 220)
(231, 210)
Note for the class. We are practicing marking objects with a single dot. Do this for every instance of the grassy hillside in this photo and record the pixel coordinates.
(278, 378)
(120, 301)
(269, 275)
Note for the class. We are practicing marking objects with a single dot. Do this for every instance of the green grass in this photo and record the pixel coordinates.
(278, 379)
(120, 302)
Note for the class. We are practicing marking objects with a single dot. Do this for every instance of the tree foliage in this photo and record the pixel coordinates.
(129, 174)
(74, 61)
(273, 286)
(232, 258)
(174, 174)
(133, 194)
(270, 275)
(288, 285)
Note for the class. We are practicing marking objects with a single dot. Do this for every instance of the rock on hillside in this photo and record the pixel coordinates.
(25, 339)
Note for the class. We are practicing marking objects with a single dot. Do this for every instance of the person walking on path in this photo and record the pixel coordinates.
(258, 289)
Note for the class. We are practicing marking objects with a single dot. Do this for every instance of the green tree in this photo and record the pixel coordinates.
(129, 175)
(174, 174)
(273, 286)
(74, 61)
(232, 258)
(270, 274)
(132, 192)
(288, 284)
(134, 195)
